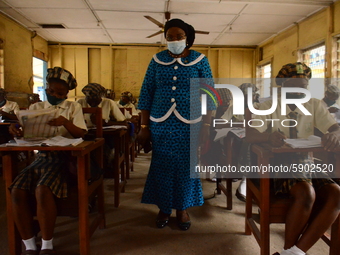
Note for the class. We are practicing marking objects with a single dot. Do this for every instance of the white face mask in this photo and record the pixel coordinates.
(177, 47)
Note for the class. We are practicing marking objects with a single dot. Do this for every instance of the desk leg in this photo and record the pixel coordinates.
(84, 230)
(14, 240)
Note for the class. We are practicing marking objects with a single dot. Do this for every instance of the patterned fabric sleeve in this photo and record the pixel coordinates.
(206, 74)
(148, 88)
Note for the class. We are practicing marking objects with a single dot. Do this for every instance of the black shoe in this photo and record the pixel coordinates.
(240, 196)
(161, 223)
(162, 219)
(276, 253)
(183, 225)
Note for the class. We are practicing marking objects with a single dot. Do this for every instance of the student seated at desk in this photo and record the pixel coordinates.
(126, 102)
(244, 151)
(47, 177)
(332, 94)
(8, 109)
(315, 197)
(94, 97)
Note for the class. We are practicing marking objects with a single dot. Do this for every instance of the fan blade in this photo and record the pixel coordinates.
(159, 24)
(157, 33)
(201, 32)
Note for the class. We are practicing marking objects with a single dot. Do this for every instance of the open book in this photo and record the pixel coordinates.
(54, 141)
(310, 142)
(34, 123)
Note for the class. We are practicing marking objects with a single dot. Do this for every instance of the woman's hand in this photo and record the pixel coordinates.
(15, 130)
(144, 136)
(60, 121)
(330, 141)
(333, 109)
(276, 139)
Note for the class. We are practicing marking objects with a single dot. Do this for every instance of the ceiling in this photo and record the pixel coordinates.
(230, 22)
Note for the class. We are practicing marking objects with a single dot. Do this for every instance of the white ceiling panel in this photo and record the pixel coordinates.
(282, 9)
(263, 23)
(48, 4)
(80, 35)
(87, 21)
(139, 36)
(240, 39)
(132, 20)
(206, 22)
(129, 5)
(84, 18)
(18, 17)
(202, 7)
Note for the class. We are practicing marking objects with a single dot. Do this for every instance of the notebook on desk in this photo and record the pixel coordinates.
(311, 142)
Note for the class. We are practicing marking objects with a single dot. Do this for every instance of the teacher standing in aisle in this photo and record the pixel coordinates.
(171, 119)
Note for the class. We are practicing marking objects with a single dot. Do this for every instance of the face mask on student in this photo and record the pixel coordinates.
(122, 103)
(295, 95)
(177, 47)
(328, 101)
(54, 100)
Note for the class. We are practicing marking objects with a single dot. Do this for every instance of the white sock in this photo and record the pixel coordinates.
(47, 244)
(243, 186)
(30, 244)
(293, 251)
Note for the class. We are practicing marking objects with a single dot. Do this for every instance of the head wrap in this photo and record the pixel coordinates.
(293, 70)
(188, 29)
(225, 95)
(128, 95)
(93, 90)
(244, 87)
(62, 74)
(332, 89)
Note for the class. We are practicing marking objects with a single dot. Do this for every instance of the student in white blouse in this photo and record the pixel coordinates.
(8, 109)
(94, 97)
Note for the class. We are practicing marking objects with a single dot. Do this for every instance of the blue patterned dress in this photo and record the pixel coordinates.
(173, 99)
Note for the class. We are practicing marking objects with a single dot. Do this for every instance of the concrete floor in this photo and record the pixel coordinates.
(131, 228)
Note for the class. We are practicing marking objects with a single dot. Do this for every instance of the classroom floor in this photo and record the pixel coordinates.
(131, 228)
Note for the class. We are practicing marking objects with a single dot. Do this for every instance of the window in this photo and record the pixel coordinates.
(315, 59)
(337, 56)
(39, 77)
(265, 72)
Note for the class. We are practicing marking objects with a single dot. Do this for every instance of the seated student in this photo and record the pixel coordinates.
(94, 97)
(244, 152)
(33, 98)
(315, 197)
(332, 94)
(110, 94)
(126, 102)
(8, 109)
(47, 177)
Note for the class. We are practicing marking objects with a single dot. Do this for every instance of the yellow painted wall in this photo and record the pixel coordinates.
(321, 27)
(19, 45)
(122, 68)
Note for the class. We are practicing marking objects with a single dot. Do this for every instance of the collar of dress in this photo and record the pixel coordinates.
(179, 60)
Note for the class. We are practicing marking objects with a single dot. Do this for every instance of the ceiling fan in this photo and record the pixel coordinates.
(161, 26)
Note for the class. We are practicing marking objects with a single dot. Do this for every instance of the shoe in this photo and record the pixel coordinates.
(240, 196)
(183, 225)
(162, 219)
(276, 253)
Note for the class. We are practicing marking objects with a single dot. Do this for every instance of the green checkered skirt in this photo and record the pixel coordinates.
(49, 169)
(282, 183)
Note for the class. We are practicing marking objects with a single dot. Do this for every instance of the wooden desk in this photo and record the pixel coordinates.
(273, 209)
(119, 138)
(82, 152)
